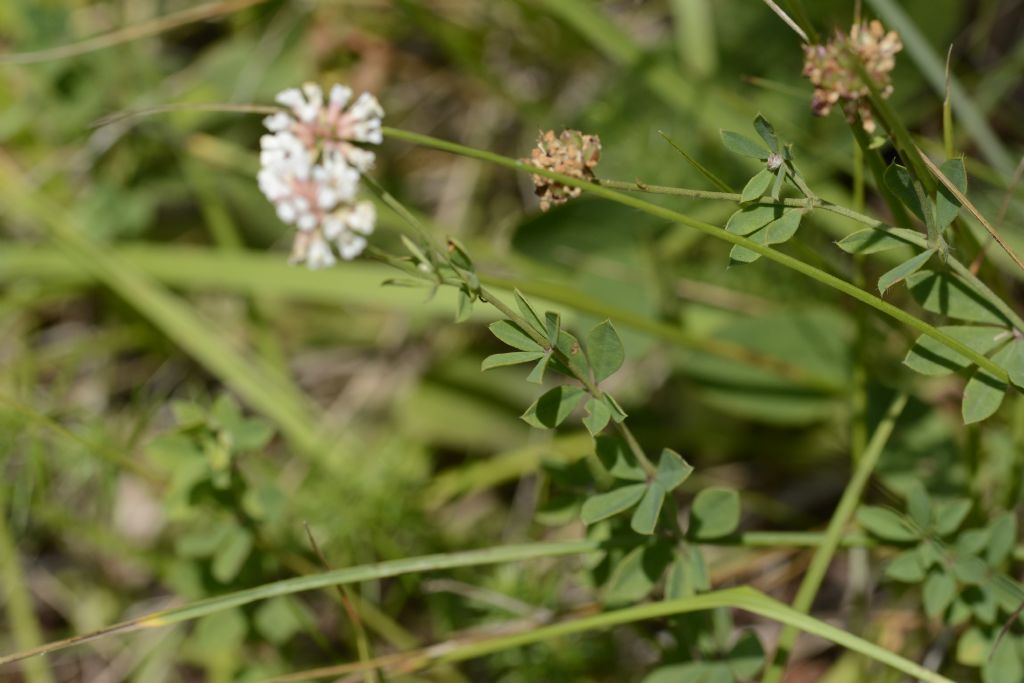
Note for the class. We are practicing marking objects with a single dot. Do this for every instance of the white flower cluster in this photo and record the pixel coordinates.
(310, 168)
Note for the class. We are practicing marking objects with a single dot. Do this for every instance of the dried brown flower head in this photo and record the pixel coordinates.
(573, 154)
(835, 80)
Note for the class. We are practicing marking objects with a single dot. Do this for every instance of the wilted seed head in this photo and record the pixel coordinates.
(836, 81)
(573, 154)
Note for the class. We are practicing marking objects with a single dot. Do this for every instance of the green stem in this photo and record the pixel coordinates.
(742, 598)
(718, 233)
(823, 555)
(959, 268)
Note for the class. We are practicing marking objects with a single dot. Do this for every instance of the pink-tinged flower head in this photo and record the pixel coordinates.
(310, 165)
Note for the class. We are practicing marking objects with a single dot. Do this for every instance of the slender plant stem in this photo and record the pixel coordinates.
(714, 231)
(959, 268)
(840, 518)
(742, 598)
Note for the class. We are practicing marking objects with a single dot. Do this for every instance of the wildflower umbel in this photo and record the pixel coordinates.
(573, 154)
(835, 81)
(310, 166)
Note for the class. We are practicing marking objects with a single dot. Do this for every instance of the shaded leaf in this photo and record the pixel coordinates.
(637, 573)
(767, 132)
(614, 454)
(950, 296)
(904, 270)
(645, 517)
(605, 505)
(870, 240)
(551, 409)
(947, 206)
(899, 181)
(749, 219)
(782, 229)
(742, 145)
(931, 357)
(739, 254)
(746, 657)
(1013, 362)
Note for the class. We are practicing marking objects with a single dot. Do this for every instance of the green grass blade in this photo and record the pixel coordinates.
(744, 598)
(833, 534)
(337, 577)
(21, 618)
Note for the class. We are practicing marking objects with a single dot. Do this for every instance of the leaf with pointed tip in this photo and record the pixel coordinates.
(782, 229)
(672, 470)
(952, 297)
(756, 186)
(947, 206)
(598, 416)
(931, 357)
(604, 350)
(901, 183)
(526, 310)
(904, 270)
(500, 360)
(513, 335)
(715, 513)
(871, 241)
(553, 326)
(767, 132)
(750, 219)
(605, 505)
(536, 375)
(551, 409)
(742, 145)
(645, 517)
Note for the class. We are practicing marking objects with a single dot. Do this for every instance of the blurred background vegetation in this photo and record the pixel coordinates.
(177, 402)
